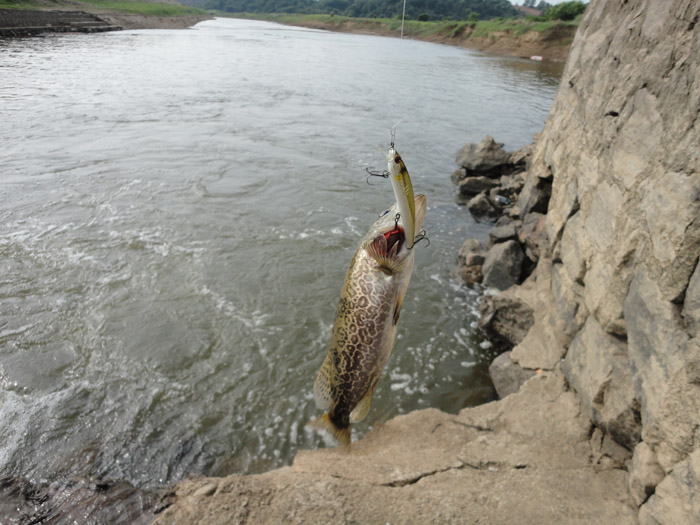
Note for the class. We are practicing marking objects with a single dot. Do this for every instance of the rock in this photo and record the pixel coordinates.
(575, 251)
(508, 376)
(471, 253)
(475, 185)
(458, 175)
(487, 157)
(533, 234)
(504, 233)
(506, 317)
(623, 238)
(645, 473)
(521, 158)
(480, 206)
(503, 265)
(481, 465)
(676, 499)
(691, 304)
(512, 185)
(535, 195)
(666, 364)
(606, 454)
(469, 261)
(597, 367)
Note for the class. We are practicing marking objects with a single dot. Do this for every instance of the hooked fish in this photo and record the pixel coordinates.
(366, 319)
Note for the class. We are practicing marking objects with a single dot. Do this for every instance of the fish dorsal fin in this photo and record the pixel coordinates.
(322, 386)
(362, 408)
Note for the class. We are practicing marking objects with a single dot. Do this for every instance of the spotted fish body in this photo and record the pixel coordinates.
(365, 323)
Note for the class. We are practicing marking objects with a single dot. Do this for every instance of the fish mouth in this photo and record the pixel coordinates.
(395, 237)
(387, 245)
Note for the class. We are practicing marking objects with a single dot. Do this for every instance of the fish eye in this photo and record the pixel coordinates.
(397, 159)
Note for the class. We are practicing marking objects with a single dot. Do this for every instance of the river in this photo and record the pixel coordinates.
(178, 210)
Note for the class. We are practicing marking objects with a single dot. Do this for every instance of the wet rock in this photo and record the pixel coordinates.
(506, 317)
(503, 265)
(458, 175)
(469, 261)
(475, 185)
(504, 233)
(488, 157)
(512, 185)
(508, 376)
(480, 206)
(645, 473)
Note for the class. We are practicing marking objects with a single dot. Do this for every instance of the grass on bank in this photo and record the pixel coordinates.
(124, 6)
(145, 8)
(414, 28)
(18, 4)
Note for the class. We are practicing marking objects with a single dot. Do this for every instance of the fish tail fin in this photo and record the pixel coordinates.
(341, 435)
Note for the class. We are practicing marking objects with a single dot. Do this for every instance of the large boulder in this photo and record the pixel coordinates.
(482, 207)
(506, 317)
(469, 261)
(503, 265)
(508, 376)
(487, 157)
(475, 185)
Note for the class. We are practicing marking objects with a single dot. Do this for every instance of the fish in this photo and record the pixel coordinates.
(365, 323)
(403, 191)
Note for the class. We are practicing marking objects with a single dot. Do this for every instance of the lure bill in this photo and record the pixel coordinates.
(368, 313)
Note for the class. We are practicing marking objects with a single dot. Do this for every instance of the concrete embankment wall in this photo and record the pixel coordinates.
(16, 22)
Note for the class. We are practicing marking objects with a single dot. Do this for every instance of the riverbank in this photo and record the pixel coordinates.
(27, 18)
(550, 40)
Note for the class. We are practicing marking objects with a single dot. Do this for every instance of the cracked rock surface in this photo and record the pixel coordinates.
(525, 459)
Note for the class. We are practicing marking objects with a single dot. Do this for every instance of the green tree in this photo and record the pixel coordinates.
(566, 11)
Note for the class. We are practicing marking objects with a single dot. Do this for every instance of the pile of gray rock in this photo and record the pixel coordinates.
(500, 190)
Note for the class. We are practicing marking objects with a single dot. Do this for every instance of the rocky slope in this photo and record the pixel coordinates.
(606, 427)
(615, 295)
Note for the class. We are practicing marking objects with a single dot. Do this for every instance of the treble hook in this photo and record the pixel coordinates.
(384, 174)
(422, 236)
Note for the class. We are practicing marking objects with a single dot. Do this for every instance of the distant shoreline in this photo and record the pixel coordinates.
(40, 18)
(517, 38)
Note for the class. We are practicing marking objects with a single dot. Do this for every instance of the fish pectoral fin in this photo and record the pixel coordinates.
(386, 260)
(322, 385)
(362, 408)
